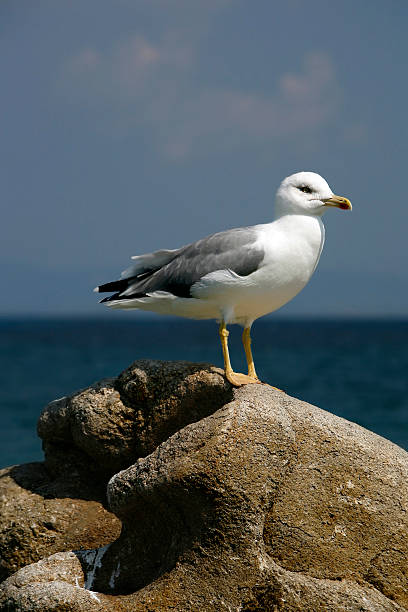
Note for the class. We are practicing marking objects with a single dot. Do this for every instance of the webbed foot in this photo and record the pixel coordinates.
(238, 379)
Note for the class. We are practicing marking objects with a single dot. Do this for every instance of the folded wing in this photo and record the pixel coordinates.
(176, 271)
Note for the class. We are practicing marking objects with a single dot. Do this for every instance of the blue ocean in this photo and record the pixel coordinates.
(357, 369)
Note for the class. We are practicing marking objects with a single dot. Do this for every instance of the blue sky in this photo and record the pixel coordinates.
(132, 125)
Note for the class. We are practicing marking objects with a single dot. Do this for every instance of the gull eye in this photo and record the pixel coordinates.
(305, 189)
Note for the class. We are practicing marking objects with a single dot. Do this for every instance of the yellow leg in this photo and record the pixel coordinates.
(233, 377)
(224, 333)
(246, 340)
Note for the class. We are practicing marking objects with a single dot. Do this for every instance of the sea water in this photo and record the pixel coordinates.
(356, 369)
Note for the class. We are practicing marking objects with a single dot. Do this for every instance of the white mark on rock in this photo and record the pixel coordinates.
(340, 529)
(262, 563)
(115, 574)
(91, 593)
(349, 484)
(94, 596)
(94, 559)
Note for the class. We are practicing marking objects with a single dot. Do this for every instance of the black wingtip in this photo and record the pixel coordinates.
(110, 298)
(119, 285)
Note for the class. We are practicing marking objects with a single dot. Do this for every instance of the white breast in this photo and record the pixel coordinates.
(292, 246)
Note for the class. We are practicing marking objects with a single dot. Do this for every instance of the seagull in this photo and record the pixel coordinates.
(238, 275)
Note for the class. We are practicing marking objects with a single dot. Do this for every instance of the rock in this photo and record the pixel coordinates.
(289, 591)
(114, 422)
(40, 516)
(59, 505)
(262, 502)
(55, 583)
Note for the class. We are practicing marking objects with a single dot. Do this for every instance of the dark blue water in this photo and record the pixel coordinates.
(356, 369)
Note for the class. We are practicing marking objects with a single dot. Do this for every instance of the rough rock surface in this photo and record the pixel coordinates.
(263, 502)
(114, 422)
(59, 505)
(41, 515)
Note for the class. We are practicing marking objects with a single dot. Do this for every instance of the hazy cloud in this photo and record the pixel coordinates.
(125, 74)
(150, 84)
(221, 118)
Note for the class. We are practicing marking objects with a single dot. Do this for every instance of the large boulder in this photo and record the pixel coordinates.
(108, 426)
(60, 504)
(263, 502)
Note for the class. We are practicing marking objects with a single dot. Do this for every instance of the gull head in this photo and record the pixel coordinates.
(307, 193)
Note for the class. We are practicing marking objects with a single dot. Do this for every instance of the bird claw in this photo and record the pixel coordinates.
(237, 380)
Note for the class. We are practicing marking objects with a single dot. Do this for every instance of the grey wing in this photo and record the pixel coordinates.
(149, 262)
(235, 250)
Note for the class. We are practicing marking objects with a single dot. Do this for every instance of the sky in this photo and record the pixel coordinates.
(128, 126)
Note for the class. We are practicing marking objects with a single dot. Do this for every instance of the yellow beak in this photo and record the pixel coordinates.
(338, 202)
